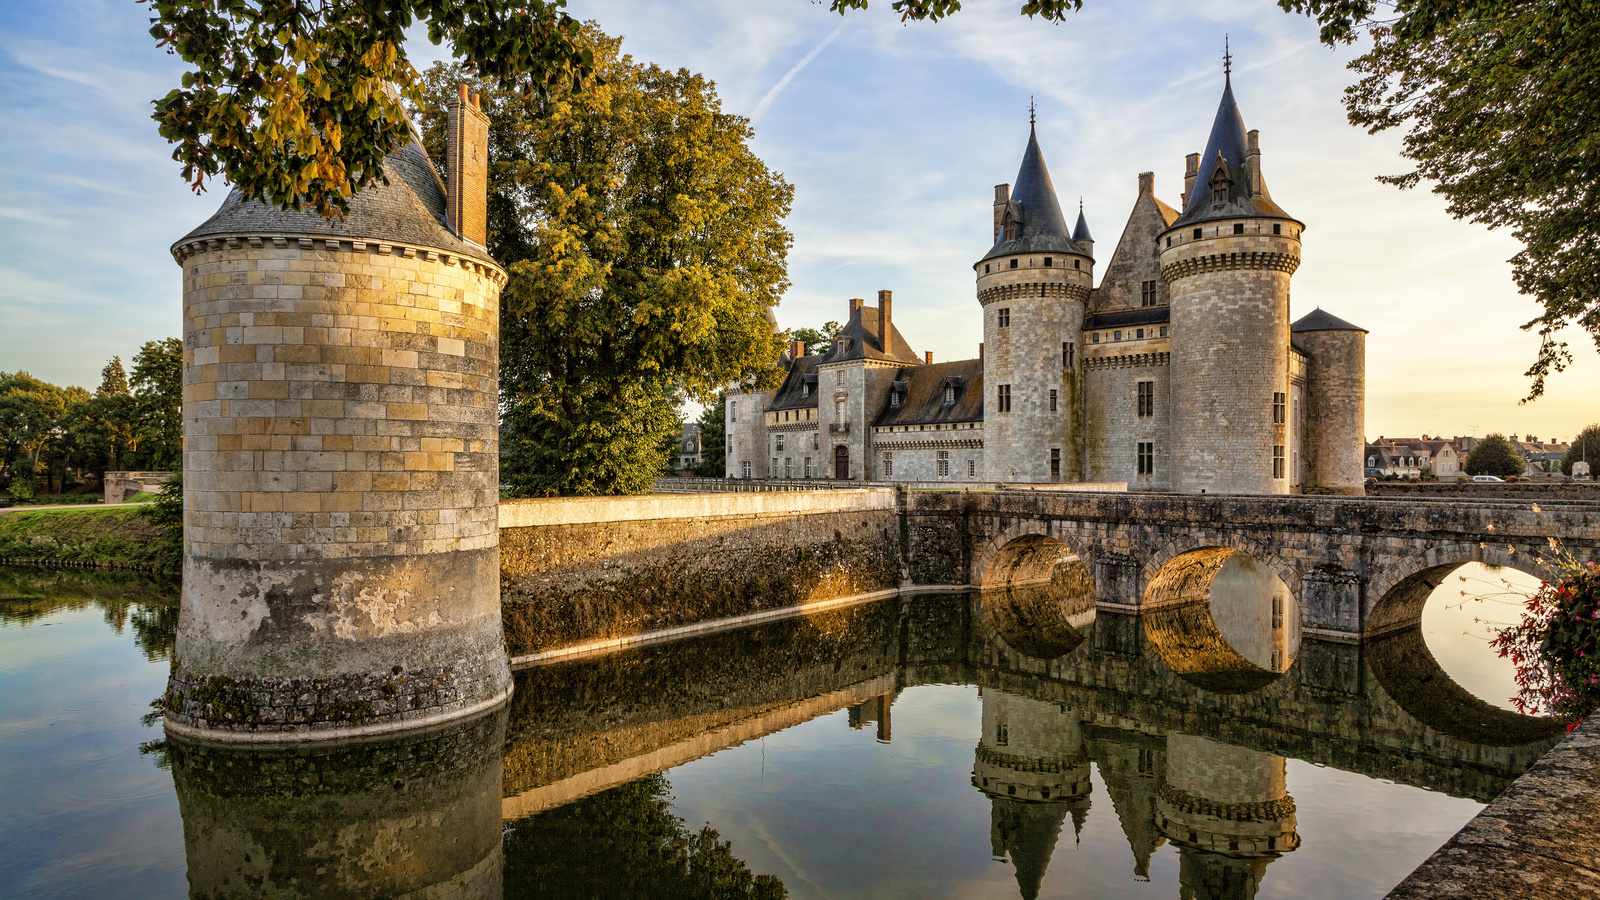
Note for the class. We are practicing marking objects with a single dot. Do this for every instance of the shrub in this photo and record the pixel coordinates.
(1556, 647)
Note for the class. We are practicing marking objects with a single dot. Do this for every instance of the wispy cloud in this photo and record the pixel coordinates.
(772, 93)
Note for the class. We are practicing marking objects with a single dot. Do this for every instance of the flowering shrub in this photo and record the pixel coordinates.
(1556, 647)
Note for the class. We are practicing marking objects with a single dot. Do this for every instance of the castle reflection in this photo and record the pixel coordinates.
(567, 793)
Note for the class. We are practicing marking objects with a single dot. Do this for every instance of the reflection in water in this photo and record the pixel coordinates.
(1463, 614)
(1045, 620)
(1222, 620)
(413, 817)
(147, 603)
(1229, 812)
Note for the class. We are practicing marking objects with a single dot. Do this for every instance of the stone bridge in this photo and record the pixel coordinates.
(1359, 567)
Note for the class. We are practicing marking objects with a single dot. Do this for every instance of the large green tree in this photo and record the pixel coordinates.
(1494, 455)
(645, 243)
(157, 384)
(30, 418)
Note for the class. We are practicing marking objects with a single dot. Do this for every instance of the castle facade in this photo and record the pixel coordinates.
(1180, 371)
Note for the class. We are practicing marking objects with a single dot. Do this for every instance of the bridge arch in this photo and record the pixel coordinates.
(1262, 553)
(1221, 619)
(1401, 590)
(1027, 552)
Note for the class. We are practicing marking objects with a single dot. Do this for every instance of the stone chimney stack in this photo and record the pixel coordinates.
(1002, 196)
(885, 322)
(1147, 182)
(855, 304)
(1252, 162)
(797, 349)
(1191, 171)
(467, 169)
(927, 356)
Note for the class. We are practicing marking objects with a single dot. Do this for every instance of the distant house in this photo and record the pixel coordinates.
(1540, 457)
(1408, 457)
(689, 446)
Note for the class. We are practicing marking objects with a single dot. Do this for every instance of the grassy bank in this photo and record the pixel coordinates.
(118, 537)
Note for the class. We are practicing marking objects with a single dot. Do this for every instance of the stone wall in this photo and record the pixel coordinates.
(582, 569)
(1540, 491)
(1114, 428)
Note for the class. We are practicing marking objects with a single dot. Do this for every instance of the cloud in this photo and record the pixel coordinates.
(772, 94)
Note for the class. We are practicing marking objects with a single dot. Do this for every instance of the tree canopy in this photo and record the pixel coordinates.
(645, 244)
(816, 338)
(1586, 447)
(1494, 455)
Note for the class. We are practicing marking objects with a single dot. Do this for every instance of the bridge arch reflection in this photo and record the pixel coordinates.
(1221, 620)
(1045, 620)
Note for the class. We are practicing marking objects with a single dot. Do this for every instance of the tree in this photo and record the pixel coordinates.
(30, 417)
(1586, 447)
(645, 243)
(815, 339)
(290, 100)
(113, 379)
(1494, 455)
(158, 403)
(714, 439)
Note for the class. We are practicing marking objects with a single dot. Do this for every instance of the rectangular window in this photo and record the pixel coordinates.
(1147, 458)
(1066, 354)
(1147, 399)
(772, 471)
(733, 411)
(779, 446)
(1052, 400)
(1055, 462)
(888, 465)
(808, 467)
(1277, 229)
(894, 399)
(838, 410)
(944, 463)
(1049, 262)
(1277, 460)
(1097, 337)
(816, 440)
(1238, 228)
(1116, 336)
(1140, 334)
(1163, 331)
(746, 466)
(1003, 318)
(1147, 762)
(1003, 398)
(788, 467)
(972, 468)
(1277, 408)
(1147, 293)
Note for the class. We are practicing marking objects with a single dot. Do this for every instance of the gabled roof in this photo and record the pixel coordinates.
(923, 403)
(799, 389)
(1318, 320)
(859, 339)
(1033, 206)
(410, 209)
(1225, 151)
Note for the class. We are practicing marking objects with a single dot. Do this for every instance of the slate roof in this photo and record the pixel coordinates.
(859, 340)
(1229, 143)
(410, 209)
(791, 394)
(1080, 231)
(1318, 320)
(1034, 207)
(1122, 318)
(923, 403)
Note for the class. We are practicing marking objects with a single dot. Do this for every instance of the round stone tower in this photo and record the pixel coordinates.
(1227, 261)
(341, 553)
(1033, 285)
(1336, 392)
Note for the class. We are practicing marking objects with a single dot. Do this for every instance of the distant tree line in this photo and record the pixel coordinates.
(55, 439)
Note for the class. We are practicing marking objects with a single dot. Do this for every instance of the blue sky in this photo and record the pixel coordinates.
(893, 136)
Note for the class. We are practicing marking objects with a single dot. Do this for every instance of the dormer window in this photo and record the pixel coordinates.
(949, 394)
(1219, 192)
(894, 399)
(805, 389)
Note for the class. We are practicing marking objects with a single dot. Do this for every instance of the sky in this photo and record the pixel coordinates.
(893, 136)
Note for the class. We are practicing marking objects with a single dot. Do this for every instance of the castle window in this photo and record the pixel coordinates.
(949, 393)
(733, 411)
(1140, 334)
(1169, 240)
(779, 446)
(1163, 331)
(816, 441)
(1238, 228)
(1147, 293)
(1147, 457)
(1075, 264)
(1003, 318)
(1116, 335)
(1013, 264)
(972, 468)
(1049, 262)
(888, 465)
(788, 467)
(772, 471)
(1277, 229)
(985, 268)
(1055, 462)
(1066, 354)
(1219, 192)
(1097, 337)
(1197, 234)
(944, 463)
(1277, 408)
(746, 468)
(1147, 399)
(1052, 399)
(894, 399)
(1147, 762)
(808, 467)
(1003, 398)
(805, 389)
(1010, 231)
(838, 410)
(1277, 460)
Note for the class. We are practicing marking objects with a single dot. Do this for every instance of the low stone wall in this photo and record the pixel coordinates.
(1538, 840)
(584, 569)
(1515, 490)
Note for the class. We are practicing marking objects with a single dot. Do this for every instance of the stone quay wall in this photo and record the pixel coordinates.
(586, 569)
(1536, 491)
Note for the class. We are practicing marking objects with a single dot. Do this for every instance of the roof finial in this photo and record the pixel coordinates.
(1030, 110)
(1227, 58)
(1080, 204)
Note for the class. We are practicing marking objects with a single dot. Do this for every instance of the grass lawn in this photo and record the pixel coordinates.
(113, 535)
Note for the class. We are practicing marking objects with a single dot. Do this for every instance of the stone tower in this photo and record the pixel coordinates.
(1337, 396)
(341, 560)
(1033, 285)
(1227, 262)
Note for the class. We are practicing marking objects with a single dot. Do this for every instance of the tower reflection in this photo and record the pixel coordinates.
(413, 817)
(1228, 811)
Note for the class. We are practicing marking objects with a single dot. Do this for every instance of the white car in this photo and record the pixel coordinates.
(1488, 478)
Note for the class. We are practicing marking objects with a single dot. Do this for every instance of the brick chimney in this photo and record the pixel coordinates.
(467, 169)
(1252, 162)
(1147, 182)
(797, 349)
(855, 304)
(1191, 171)
(885, 322)
(1002, 197)
(927, 357)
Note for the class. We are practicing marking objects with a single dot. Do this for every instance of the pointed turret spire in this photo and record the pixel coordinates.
(1080, 232)
(1032, 221)
(1222, 188)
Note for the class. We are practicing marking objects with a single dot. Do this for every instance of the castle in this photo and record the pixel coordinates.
(1179, 372)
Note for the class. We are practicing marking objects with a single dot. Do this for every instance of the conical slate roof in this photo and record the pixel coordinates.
(1033, 206)
(1080, 231)
(1227, 147)
(410, 209)
(1318, 320)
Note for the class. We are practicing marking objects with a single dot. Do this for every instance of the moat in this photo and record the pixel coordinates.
(927, 745)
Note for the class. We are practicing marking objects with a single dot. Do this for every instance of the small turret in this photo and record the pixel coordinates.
(1336, 394)
(1080, 232)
